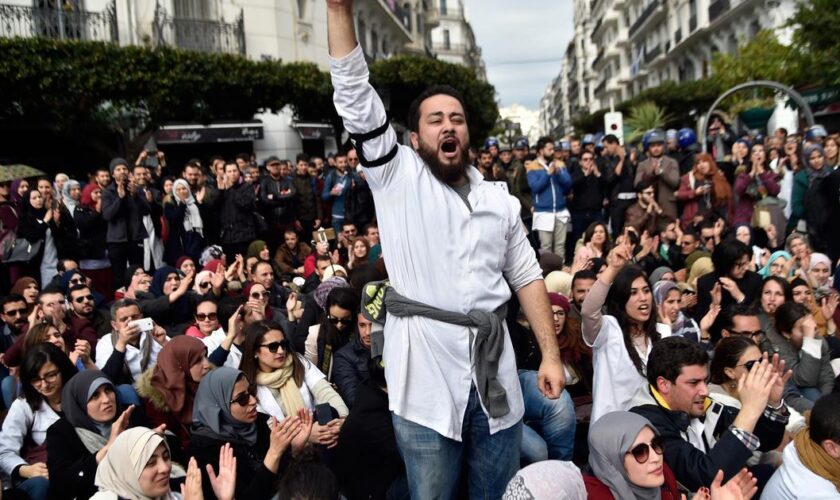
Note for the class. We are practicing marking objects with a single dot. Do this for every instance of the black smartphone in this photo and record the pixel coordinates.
(323, 413)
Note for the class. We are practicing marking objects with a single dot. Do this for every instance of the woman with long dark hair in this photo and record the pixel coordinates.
(337, 325)
(23, 447)
(621, 339)
(287, 382)
(704, 190)
(753, 184)
(596, 242)
(804, 352)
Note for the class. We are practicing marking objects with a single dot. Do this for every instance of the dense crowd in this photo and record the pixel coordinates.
(217, 330)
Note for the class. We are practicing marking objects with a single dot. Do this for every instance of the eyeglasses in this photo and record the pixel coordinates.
(559, 314)
(206, 317)
(83, 298)
(758, 334)
(641, 452)
(749, 364)
(259, 295)
(343, 321)
(274, 346)
(48, 378)
(243, 398)
(16, 312)
(586, 158)
(77, 281)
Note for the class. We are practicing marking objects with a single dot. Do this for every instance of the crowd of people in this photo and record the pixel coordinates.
(217, 330)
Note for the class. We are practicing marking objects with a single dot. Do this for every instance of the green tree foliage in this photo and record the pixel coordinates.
(89, 88)
(816, 41)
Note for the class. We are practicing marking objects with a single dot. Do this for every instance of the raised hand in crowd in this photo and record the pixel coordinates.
(223, 484)
(754, 389)
(282, 434)
(119, 425)
(300, 441)
(741, 487)
(159, 334)
(191, 488)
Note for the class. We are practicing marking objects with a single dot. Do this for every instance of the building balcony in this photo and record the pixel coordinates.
(199, 35)
(646, 14)
(60, 24)
(452, 13)
(449, 48)
(652, 54)
(692, 23)
(599, 57)
(432, 17)
(678, 35)
(401, 14)
(600, 87)
(717, 8)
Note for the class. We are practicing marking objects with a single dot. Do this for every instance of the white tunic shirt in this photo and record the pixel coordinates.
(439, 253)
(133, 355)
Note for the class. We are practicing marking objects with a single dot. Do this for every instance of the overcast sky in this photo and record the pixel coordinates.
(524, 30)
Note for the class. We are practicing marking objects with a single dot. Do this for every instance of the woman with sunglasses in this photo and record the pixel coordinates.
(337, 327)
(168, 300)
(225, 414)
(76, 443)
(287, 382)
(733, 359)
(167, 390)
(805, 352)
(206, 315)
(626, 462)
(23, 447)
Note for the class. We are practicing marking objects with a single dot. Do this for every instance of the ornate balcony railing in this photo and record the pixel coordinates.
(643, 17)
(198, 34)
(61, 24)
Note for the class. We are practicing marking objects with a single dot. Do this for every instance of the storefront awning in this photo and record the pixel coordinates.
(213, 133)
(314, 131)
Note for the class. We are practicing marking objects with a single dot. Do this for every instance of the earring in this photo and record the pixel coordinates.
(733, 385)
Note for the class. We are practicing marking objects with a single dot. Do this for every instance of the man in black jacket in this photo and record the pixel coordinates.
(123, 207)
(702, 437)
(739, 285)
(350, 362)
(276, 200)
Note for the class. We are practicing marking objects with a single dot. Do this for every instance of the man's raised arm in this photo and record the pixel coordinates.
(356, 101)
(340, 29)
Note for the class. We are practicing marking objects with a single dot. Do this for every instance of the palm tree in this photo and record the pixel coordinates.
(645, 116)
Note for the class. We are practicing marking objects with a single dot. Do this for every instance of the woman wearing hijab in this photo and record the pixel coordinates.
(27, 288)
(93, 229)
(625, 457)
(168, 300)
(79, 440)
(38, 226)
(672, 321)
(808, 203)
(71, 194)
(139, 466)
(778, 265)
(167, 390)
(186, 229)
(23, 441)
(225, 411)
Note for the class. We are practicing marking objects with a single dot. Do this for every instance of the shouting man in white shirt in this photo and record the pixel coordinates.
(455, 247)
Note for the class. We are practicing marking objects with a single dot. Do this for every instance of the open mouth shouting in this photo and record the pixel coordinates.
(449, 147)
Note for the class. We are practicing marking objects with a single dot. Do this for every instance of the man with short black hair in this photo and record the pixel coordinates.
(702, 437)
(83, 309)
(738, 285)
(582, 282)
(123, 207)
(589, 189)
(291, 255)
(621, 175)
(662, 172)
(128, 351)
(14, 313)
(550, 183)
(811, 463)
(337, 186)
(350, 362)
(322, 263)
(456, 402)
(307, 200)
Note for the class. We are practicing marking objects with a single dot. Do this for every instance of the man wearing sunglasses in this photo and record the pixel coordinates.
(701, 436)
(13, 312)
(83, 310)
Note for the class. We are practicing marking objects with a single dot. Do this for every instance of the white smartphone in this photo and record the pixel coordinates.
(144, 324)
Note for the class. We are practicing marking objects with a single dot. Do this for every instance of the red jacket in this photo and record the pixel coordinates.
(596, 490)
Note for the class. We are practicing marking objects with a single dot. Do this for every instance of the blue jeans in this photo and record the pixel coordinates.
(549, 432)
(811, 393)
(8, 386)
(433, 462)
(35, 487)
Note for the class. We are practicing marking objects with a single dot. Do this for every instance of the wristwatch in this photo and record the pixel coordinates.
(777, 408)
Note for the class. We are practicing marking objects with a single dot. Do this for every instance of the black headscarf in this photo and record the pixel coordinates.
(26, 205)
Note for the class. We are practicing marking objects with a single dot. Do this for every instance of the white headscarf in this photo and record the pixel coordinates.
(69, 202)
(119, 472)
(192, 217)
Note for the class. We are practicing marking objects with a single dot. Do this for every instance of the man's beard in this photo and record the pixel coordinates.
(447, 174)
